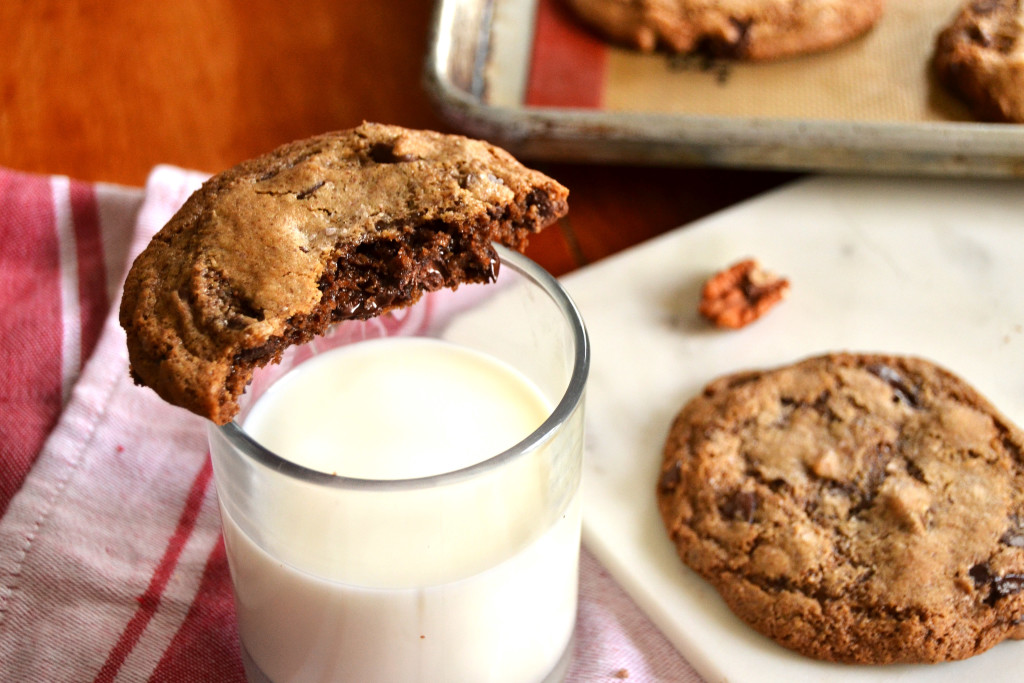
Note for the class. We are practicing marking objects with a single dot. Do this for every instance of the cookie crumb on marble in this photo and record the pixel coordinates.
(740, 294)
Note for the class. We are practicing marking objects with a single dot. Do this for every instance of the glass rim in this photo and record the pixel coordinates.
(240, 440)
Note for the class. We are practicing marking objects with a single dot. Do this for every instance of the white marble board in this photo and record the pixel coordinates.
(930, 267)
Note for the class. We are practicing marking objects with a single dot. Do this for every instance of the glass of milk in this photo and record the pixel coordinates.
(400, 499)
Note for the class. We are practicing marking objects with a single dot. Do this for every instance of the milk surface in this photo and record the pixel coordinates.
(474, 580)
(397, 408)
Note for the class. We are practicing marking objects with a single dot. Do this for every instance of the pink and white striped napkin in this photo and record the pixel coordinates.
(112, 566)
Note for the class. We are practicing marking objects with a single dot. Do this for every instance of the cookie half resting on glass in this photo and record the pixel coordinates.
(739, 29)
(345, 225)
(854, 508)
(980, 57)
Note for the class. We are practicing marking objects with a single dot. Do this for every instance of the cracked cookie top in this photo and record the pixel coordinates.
(345, 225)
(853, 507)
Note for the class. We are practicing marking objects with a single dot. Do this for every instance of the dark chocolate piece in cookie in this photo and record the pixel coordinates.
(980, 56)
(853, 507)
(346, 225)
(741, 29)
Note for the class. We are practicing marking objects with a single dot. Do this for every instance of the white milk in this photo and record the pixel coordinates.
(472, 581)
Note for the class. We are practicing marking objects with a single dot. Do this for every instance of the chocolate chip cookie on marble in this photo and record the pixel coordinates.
(853, 507)
(980, 56)
(741, 29)
(345, 225)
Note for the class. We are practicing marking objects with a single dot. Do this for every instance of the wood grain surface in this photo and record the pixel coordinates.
(103, 91)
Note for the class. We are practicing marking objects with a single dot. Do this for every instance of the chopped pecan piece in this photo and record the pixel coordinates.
(740, 294)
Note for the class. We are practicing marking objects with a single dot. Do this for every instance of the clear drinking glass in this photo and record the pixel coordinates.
(468, 575)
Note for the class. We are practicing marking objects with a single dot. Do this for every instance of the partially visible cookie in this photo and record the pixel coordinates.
(980, 56)
(741, 29)
(346, 225)
(853, 507)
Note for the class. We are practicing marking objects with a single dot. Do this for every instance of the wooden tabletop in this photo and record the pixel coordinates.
(103, 91)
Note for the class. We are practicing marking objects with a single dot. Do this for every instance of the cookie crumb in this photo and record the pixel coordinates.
(622, 674)
(740, 294)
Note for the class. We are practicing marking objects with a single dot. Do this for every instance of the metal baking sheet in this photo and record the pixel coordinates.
(869, 106)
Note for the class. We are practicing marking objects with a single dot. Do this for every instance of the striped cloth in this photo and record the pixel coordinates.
(112, 567)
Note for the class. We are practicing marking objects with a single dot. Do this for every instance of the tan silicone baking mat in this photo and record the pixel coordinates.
(884, 75)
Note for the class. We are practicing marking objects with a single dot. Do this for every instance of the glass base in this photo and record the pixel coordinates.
(561, 669)
(254, 674)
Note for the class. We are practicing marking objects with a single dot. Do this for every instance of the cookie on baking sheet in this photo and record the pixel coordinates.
(742, 29)
(345, 225)
(853, 507)
(980, 56)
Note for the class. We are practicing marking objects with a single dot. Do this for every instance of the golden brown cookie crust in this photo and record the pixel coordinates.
(853, 507)
(980, 56)
(345, 225)
(742, 29)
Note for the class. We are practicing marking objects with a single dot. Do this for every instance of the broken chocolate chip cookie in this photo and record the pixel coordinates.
(345, 225)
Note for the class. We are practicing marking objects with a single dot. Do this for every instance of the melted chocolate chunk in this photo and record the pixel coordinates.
(1014, 536)
(670, 478)
(1006, 585)
(999, 586)
(980, 574)
(740, 506)
(384, 153)
(901, 390)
